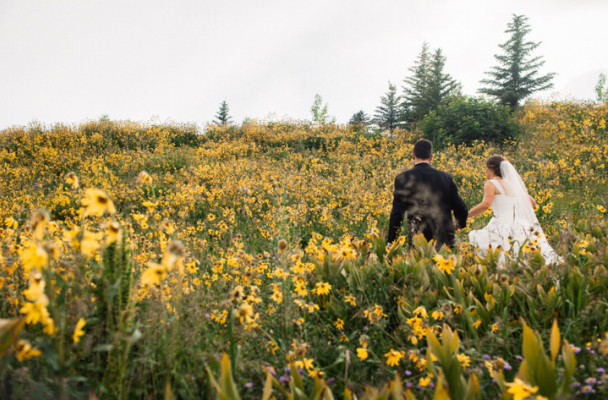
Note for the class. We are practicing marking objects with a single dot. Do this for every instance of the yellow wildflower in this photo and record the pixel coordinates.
(78, 332)
(520, 389)
(153, 275)
(393, 357)
(464, 360)
(90, 243)
(144, 178)
(446, 266)
(34, 256)
(71, 179)
(322, 288)
(97, 203)
(25, 351)
(437, 315)
(424, 382)
(362, 353)
(421, 312)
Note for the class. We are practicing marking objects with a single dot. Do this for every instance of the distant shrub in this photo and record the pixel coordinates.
(464, 120)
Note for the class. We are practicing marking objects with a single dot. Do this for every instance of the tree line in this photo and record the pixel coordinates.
(431, 100)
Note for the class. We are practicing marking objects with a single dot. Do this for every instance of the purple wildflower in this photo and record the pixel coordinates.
(590, 381)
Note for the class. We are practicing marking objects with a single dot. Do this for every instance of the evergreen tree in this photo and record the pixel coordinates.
(359, 121)
(428, 86)
(222, 117)
(387, 114)
(516, 76)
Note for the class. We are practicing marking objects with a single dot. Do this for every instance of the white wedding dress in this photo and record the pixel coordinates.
(513, 223)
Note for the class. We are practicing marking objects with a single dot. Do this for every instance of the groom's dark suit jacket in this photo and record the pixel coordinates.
(428, 196)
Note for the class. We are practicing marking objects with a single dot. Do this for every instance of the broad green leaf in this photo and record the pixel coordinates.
(524, 372)
(409, 395)
(295, 375)
(546, 378)
(530, 347)
(569, 361)
(397, 387)
(555, 341)
(441, 392)
(227, 385)
(267, 386)
(473, 391)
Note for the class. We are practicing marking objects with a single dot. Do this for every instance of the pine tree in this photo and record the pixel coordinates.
(222, 117)
(515, 78)
(359, 121)
(428, 87)
(387, 114)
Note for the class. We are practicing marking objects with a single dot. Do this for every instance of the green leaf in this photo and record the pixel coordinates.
(530, 348)
(555, 341)
(473, 391)
(546, 378)
(441, 392)
(295, 375)
(569, 362)
(267, 386)
(227, 385)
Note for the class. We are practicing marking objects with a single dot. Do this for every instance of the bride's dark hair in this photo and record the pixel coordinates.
(494, 164)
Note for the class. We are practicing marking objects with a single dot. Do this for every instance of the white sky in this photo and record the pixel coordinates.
(176, 60)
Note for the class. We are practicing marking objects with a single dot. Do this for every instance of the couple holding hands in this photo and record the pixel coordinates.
(429, 196)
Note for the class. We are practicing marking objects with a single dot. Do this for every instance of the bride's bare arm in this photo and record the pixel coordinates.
(488, 197)
(532, 201)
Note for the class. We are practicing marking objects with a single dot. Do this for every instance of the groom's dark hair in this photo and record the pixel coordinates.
(423, 149)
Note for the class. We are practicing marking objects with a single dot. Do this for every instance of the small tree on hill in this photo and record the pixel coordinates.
(464, 120)
(516, 76)
(222, 117)
(359, 121)
(319, 111)
(387, 114)
(601, 89)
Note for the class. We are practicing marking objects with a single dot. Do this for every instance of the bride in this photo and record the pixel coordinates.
(514, 222)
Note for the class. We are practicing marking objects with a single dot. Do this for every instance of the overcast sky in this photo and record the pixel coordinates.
(72, 61)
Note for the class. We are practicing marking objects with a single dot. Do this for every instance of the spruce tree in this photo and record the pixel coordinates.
(428, 87)
(222, 117)
(387, 114)
(516, 77)
(359, 118)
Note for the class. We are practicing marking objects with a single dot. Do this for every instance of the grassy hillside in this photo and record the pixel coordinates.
(266, 242)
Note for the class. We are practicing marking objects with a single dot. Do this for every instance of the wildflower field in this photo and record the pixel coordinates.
(143, 261)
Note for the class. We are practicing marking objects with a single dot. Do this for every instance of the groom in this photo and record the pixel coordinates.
(428, 196)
